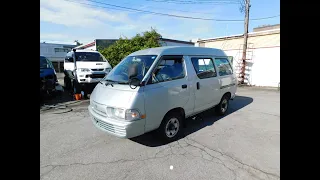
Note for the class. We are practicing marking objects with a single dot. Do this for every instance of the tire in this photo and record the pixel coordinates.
(223, 106)
(67, 83)
(174, 121)
(76, 87)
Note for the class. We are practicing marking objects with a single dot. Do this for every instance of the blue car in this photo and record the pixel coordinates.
(48, 77)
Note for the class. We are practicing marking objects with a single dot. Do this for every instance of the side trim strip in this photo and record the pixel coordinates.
(222, 87)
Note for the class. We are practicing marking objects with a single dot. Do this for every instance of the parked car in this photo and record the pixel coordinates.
(158, 88)
(83, 69)
(48, 77)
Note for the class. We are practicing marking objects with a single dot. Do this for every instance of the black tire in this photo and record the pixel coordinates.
(223, 106)
(163, 132)
(67, 83)
(85, 90)
(76, 87)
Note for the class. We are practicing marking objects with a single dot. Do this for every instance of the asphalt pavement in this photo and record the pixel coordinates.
(245, 144)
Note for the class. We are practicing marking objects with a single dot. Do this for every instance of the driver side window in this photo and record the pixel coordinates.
(170, 68)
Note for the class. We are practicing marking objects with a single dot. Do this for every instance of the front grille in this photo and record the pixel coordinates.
(97, 69)
(110, 128)
(95, 76)
(105, 126)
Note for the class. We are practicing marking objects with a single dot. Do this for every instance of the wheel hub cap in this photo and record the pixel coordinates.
(172, 127)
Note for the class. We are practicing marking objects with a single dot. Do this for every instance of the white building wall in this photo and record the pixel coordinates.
(264, 51)
(264, 69)
(48, 50)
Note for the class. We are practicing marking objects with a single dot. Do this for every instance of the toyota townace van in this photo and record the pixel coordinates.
(158, 88)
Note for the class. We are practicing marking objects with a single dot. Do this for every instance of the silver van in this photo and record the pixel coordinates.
(157, 88)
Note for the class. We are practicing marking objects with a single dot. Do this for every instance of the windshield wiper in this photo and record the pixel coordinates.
(109, 82)
(123, 82)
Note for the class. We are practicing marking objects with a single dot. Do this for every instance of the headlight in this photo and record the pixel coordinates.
(132, 114)
(107, 70)
(129, 114)
(84, 70)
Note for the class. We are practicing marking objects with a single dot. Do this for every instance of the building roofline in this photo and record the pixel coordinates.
(164, 39)
(86, 45)
(58, 44)
(251, 34)
(177, 41)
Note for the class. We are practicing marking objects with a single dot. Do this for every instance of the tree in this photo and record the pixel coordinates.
(124, 46)
(77, 42)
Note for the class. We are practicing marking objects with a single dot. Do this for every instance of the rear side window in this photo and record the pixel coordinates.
(204, 67)
(224, 66)
(170, 68)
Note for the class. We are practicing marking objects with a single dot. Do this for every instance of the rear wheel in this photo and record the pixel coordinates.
(170, 128)
(67, 83)
(76, 87)
(223, 106)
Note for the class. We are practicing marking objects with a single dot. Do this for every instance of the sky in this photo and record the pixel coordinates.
(63, 21)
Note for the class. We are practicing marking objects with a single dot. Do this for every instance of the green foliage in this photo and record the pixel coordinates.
(124, 46)
(77, 42)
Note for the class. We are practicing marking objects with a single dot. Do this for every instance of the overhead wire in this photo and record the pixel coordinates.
(170, 15)
(196, 2)
(176, 10)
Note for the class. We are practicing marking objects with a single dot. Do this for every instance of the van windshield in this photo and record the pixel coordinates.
(89, 56)
(120, 72)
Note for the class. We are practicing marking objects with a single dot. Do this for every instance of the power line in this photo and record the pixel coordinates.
(196, 2)
(170, 15)
(177, 10)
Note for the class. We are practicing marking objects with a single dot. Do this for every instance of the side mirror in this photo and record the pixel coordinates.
(134, 82)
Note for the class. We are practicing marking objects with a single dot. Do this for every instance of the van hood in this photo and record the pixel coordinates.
(117, 96)
(93, 65)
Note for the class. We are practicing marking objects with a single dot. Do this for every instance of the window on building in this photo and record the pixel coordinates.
(61, 50)
(170, 68)
(204, 67)
(224, 66)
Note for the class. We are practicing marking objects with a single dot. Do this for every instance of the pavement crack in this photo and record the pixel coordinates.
(54, 166)
(234, 159)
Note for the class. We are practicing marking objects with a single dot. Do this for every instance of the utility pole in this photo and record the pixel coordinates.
(245, 41)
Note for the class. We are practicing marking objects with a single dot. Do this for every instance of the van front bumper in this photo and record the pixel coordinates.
(122, 129)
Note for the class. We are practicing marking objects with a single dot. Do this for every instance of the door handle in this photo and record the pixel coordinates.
(184, 86)
(198, 85)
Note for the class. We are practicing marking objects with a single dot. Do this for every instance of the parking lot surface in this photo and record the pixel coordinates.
(244, 144)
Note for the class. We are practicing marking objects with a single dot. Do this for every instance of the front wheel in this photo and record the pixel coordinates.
(170, 128)
(222, 107)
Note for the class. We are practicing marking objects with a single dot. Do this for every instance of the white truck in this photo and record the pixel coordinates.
(83, 69)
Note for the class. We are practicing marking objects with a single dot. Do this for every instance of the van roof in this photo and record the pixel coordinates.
(180, 50)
